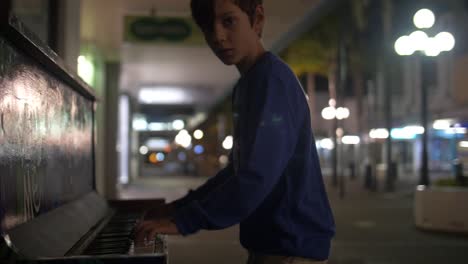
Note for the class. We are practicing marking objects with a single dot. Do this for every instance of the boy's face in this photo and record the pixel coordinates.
(233, 38)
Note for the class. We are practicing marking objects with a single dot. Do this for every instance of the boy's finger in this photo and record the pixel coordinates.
(141, 234)
(152, 234)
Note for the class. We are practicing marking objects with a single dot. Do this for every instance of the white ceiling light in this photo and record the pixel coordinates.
(157, 143)
(424, 18)
(178, 124)
(157, 126)
(164, 95)
(139, 123)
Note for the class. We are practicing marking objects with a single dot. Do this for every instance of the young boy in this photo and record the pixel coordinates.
(273, 184)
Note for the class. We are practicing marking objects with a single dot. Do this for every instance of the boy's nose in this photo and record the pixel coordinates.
(219, 35)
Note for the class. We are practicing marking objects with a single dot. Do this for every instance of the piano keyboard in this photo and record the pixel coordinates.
(116, 239)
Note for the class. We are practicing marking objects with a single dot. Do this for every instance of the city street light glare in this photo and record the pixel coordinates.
(184, 139)
(424, 18)
(223, 160)
(178, 124)
(417, 130)
(326, 143)
(400, 133)
(160, 156)
(342, 113)
(421, 187)
(404, 46)
(228, 142)
(379, 133)
(157, 126)
(156, 143)
(455, 130)
(463, 144)
(407, 132)
(144, 150)
(419, 40)
(198, 149)
(329, 113)
(432, 48)
(332, 102)
(198, 134)
(139, 124)
(445, 41)
(442, 124)
(350, 140)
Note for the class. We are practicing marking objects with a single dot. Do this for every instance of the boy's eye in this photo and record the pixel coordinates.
(228, 21)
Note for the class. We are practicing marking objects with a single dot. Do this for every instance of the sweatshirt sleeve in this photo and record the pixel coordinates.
(207, 187)
(267, 138)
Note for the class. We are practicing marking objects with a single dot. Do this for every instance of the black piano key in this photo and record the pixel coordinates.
(115, 242)
(123, 221)
(110, 246)
(110, 240)
(117, 229)
(108, 251)
(125, 225)
(114, 234)
(126, 217)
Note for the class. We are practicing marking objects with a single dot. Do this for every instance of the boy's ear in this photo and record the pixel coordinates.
(259, 20)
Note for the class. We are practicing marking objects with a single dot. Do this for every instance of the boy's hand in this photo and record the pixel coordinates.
(148, 229)
(165, 211)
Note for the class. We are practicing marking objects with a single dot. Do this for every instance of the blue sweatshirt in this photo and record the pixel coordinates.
(272, 184)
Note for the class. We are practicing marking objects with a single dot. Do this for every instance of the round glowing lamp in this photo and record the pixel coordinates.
(404, 46)
(424, 18)
(445, 41)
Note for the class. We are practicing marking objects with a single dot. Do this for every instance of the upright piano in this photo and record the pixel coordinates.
(50, 211)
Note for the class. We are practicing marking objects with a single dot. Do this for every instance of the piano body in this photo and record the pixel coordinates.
(49, 209)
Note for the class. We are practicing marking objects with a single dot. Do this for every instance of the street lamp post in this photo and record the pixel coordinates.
(336, 114)
(419, 41)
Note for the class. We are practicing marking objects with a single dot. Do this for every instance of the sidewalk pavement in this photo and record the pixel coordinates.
(372, 228)
(378, 228)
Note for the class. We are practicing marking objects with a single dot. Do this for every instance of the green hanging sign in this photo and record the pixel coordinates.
(161, 30)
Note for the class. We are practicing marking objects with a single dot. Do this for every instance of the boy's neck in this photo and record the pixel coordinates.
(244, 66)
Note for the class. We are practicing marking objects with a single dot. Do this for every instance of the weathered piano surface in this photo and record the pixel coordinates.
(85, 230)
(49, 210)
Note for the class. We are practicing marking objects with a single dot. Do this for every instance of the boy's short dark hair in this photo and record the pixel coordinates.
(203, 11)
